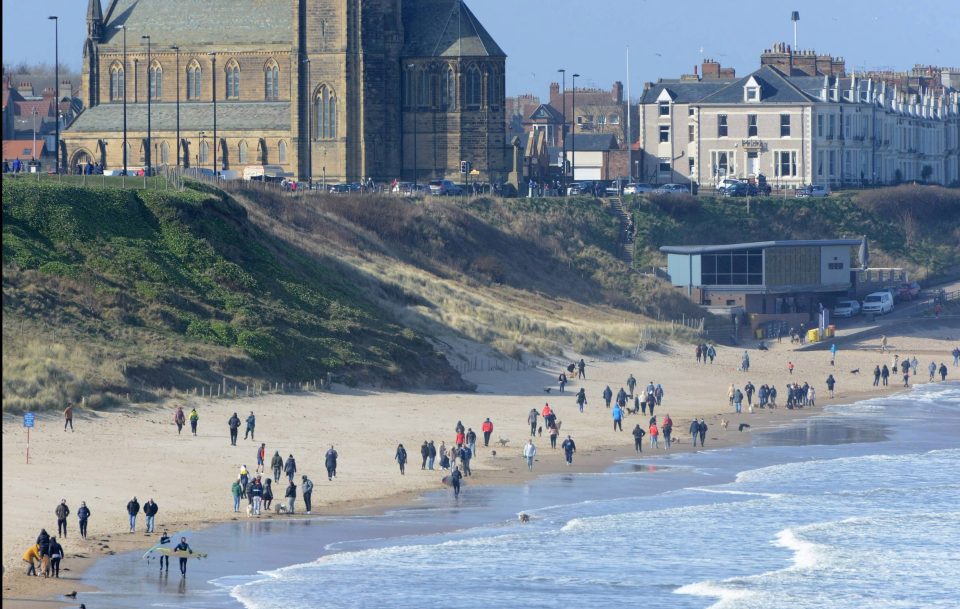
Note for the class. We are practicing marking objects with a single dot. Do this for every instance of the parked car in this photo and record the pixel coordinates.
(577, 188)
(615, 187)
(735, 189)
(815, 190)
(444, 188)
(726, 183)
(672, 189)
(637, 188)
(846, 308)
(878, 303)
(909, 290)
(340, 188)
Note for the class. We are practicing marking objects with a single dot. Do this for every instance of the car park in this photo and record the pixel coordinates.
(846, 308)
(878, 303)
(815, 190)
(615, 187)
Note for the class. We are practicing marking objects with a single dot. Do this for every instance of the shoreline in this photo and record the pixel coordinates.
(503, 396)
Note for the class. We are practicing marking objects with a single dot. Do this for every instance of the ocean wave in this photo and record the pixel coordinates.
(806, 554)
(728, 597)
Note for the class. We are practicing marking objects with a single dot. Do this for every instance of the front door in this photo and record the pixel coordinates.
(753, 163)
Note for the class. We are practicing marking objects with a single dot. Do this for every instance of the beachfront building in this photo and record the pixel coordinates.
(326, 90)
(768, 280)
(798, 119)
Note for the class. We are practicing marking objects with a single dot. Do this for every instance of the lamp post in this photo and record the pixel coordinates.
(414, 103)
(56, 72)
(573, 131)
(200, 159)
(310, 108)
(563, 131)
(213, 94)
(177, 50)
(150, 85)
(34, 134)
(124, 73)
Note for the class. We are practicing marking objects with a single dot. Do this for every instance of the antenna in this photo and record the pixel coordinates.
(795, 17)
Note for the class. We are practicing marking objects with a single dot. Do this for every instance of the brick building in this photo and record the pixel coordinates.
(327, 90)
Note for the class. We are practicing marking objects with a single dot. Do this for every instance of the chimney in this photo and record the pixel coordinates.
(695, 72)
(66, 89)
(710, 69)
(25, 89)
(555, 100)
(48, 92)
(617, 92)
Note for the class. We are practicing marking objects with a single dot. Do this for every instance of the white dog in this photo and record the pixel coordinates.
(249, 510)
(280, 508)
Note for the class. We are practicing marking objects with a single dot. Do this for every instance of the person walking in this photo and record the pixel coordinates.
(581, 398)
(133, 508)
(703, 432)
(562, 380)
(932, 368)
(529, 452)
(731, 393)
(68, 416)
(444, 457)
(234, 424)
(150, 510)
(56, 555)
(32, 554)
(876, 376)
(943, 371)
(532, 420)
(830, 384)
(651, 401)
(569, 447)
(194, 419)
(956, 356)
(631, 384)
(749, 389)
(883, 344)
(277, 464)
(83, 515)
(811, 395)
(164, 559)
(487, 429)
(711, 353)
(790, 368)
(424, 453)
(553, 432)
(471, 439)
(654, 435)
(607, 396)
(833, 353)
(62, 512)
(431, 455)
(401, 458)
(699, 353)
(745, 362)
(694, 431)
(290, 468)
(738, 400)
(330, 461)
(236, 491)
(465, 455)
(179, 419)
(183, 546)
(251, 425)
(885, 375)
(291, 496)
(244, 477)
(666, 428)
(261, 458)
(638, 434)
(455, 477)
(267, 495)
(658, 393)
(581, 367)
(306, 487)
(617, 417)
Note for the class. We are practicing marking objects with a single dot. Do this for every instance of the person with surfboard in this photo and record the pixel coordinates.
(455, 482)
(164, 539)
(183, 546)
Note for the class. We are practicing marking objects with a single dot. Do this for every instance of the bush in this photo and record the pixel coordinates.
(676, 205)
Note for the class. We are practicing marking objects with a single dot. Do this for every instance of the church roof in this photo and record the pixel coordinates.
(445, 28)
(193, 22)
(231, 116)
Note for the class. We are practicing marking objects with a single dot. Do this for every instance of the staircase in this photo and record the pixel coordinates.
(625, 245)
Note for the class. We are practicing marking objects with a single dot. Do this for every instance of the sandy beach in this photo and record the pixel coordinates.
(115, 455)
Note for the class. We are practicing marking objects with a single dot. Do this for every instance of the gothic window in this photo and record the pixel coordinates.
(233, 79)
(204, 152)
(193, 80)
(494, 89)
(262, 151)
(409, 86)
(448, 89)
(164, 153)
(423, 86)
(325, 114)
(242, 153)
(282, 152)
(116, 82)
(271, 80)
(156, 81)
(473, 87)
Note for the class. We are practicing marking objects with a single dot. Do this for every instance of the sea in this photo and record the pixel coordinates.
(858, 508)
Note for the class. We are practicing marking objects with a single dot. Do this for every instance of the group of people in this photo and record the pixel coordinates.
(257, 488)
(47, 552)
(705, 352)
(908, 366)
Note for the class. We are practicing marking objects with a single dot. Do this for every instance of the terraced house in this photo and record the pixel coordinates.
(800, 119)
(333, 89)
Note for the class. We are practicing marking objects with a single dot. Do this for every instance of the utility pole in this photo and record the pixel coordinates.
(56, 72)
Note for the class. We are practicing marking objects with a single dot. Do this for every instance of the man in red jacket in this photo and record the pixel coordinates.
(487, 429)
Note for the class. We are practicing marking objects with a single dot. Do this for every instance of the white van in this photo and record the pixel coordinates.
(878, 303)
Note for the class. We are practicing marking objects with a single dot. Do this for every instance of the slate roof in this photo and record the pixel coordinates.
(246, 116)
(775, 88)
(546, 112)
(445, 28)
(195, 22)
(684, 92)
(593, 142)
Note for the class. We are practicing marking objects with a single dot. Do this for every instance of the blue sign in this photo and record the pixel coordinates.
(28, 419)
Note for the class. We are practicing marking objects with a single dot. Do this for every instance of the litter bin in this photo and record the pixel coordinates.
(759, 333)
(831, 330)
(813, 335)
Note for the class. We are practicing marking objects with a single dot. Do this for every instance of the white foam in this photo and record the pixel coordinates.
(806, 554)
(728, 597)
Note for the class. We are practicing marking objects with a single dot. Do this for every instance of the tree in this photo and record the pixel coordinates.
(926, 172)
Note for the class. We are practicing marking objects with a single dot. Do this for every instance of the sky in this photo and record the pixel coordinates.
(590, 37)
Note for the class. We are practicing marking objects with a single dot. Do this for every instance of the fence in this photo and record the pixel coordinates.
(226, 389)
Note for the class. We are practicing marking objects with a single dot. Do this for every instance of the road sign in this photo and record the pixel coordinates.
(28, 419)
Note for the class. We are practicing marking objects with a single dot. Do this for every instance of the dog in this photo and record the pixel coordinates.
(540, 431)
(724, 423)
(280, 508)
(249, 510)
(547, 389)
(855, 371)
(744, 426)
(503, 442)
(524, 517)
(45, 566)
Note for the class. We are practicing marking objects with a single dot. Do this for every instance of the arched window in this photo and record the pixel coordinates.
(473, 86)
(271, 80)
(325, 114)
(233, 79)
(193, 80)
(448, 89)
(495, 89)
(242, 152)
(423, 82)
(282, 152)
(116, 82)
(204, 152)
(262, 151)
(156, 80)
(164, 153)
(409, 86)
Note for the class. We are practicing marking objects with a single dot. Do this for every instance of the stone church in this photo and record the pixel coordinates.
(334, 90)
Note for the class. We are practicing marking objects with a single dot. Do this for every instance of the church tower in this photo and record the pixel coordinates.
(90, 79)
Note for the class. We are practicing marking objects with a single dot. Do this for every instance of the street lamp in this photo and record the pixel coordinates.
(563, 131)
(150, 85)
(177, 49)
(414, 102)
(34, 133)
(213, 94)
(56, 72)
(573, 131)
(200, 159)
(124, 73)
(310, 108)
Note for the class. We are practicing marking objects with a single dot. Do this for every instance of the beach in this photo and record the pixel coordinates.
(115, 455)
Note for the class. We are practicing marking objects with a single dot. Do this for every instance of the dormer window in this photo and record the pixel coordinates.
(751, 94)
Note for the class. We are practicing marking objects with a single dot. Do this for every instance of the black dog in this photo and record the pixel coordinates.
(855, 371)
(744, 426)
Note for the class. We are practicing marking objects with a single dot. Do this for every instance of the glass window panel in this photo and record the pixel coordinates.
(739, 263)
(723, 263)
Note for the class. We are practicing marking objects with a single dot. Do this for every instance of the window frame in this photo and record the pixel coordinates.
(723, 126)
(785, 125)
(664, 134)
(753, 125)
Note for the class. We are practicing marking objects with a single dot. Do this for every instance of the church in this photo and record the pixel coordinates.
(333, 90)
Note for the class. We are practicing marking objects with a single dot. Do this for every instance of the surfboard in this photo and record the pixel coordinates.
(448, 481)
(157, 546)
(180, 553)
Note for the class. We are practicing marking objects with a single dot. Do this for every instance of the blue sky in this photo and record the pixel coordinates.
(666, 38)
